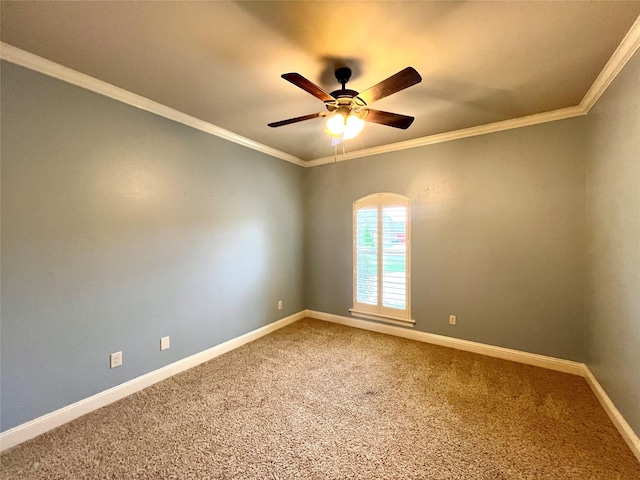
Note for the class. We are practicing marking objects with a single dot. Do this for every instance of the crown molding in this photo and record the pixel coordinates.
(627, 48)
(526, 121)
(47, 67)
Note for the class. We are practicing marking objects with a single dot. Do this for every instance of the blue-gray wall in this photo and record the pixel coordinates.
(120, 227)
(497, 232)
(613, 241)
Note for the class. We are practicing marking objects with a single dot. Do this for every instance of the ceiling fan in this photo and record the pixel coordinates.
(348, 109)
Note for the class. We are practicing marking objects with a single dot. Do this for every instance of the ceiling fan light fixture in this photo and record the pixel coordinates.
(348, 109)
(349, 127)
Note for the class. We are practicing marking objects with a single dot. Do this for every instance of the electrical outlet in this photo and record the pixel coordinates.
(452, 319)
(279, 304)
(115, 359)
(164, 343)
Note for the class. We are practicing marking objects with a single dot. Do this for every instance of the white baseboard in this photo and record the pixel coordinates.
(40, 425)
(616, 417)
(566, 366)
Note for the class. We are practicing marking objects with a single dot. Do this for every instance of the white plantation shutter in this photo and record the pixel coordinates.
(381, 239)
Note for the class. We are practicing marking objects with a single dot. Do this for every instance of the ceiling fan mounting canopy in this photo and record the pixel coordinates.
(350, 102)
(343, 74)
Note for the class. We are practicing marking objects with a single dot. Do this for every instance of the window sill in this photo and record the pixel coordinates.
(383, 318)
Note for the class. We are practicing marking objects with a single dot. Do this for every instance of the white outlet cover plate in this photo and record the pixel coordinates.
(164, 343)
(115, 359)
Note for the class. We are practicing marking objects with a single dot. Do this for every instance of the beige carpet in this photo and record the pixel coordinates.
(318, 400)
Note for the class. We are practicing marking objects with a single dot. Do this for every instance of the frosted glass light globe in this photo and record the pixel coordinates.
(353, 127)
(336, 124)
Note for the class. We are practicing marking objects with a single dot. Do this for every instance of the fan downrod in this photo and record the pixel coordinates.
(343, 74)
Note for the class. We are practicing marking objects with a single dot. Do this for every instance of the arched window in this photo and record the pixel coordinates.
(381, 257)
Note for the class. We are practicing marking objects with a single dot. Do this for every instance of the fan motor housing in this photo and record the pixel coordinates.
(344, 92)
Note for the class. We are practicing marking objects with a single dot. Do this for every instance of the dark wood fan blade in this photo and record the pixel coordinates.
(308, 86)
(401, 80)
(390, 119)
(297, 119)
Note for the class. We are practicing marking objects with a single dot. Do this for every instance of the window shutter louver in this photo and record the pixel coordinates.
(367, 256)
(394, 257)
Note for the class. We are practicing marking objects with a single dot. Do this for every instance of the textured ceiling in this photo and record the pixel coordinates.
(221, 62)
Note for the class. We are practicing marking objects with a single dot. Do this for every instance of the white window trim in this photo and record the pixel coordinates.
(378, 312)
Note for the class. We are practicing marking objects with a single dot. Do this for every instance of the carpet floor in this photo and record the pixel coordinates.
(316, 400)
